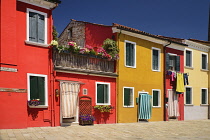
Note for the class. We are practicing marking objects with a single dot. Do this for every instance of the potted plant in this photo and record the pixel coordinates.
(86, 119)
(34, 102)
(104, 108)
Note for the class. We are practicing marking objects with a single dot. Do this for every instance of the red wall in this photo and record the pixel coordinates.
(27, 59)
(96, 34)
(90, 85)
(171, 85)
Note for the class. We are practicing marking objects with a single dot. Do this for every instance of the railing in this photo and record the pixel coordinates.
(76, 62)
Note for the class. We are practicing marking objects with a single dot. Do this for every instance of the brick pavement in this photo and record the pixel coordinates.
(182, 130)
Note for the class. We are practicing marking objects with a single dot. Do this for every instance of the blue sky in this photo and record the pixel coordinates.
(174, 18)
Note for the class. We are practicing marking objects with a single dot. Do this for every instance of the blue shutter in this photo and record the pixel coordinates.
(177, 66)
(41, 28)
(32, 26)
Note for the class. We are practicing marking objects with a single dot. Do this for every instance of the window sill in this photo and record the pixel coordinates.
(204, 104)
(39, 106)
(102, 104)
(130, 66)
(187, 67)
(128, 106)
(156, 70)
(204, 70)
(188, 104)
(36, 43)
(156, 106)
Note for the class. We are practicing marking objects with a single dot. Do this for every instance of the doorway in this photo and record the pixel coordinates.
(173, 105)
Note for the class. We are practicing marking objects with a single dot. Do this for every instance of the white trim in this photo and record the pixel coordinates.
(40, 3)
(142, 92)
(109, 87)
(206, 96)
(134, 43)
(172, 54)
(46, 88)
(176, 46)
(45, 26)
(133, 96)
(145, 37)
(202, 53)
(159, 58)
(186, 49)
(191, 95)
(159, 98)
(197, 46)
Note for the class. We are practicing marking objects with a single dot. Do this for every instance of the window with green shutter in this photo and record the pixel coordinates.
(204, 62)
(188, 96)
(204, 96)
(156, 98)
(128, 97)
(103, 96)
(188, 58)
(37, 85)
(130, 54)
(155, 59)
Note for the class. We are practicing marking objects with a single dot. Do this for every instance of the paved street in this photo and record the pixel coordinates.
(194, 130)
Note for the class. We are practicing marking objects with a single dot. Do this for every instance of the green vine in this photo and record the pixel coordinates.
(111, 47)
(103, 108)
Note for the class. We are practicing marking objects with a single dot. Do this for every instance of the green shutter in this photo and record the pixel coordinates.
(188, 96)
(127, 54)
(100, 93)
(126, 97)
(130, 55)
(33, 88)
(204, 62)
(41, 89)
(106, 94)
(188, 58)
(41, 28)
(155, 98)
(167, 61)
(32, 26)
(155, 59)
(177, 64)
(204, 96)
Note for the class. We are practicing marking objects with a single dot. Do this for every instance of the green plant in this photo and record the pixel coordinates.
(110, 46)
(103, 108)
(55, 33)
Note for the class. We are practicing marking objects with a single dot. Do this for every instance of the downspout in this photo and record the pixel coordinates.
(164, 78)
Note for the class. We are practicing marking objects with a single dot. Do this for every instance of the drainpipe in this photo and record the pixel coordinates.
(164, 79)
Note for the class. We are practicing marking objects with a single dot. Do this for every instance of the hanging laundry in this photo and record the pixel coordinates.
(180, 82)
(168, 72)
(173, 76)
(186, 79)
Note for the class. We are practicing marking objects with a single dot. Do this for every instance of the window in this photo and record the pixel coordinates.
(188, 58)
(188, 96)
(155, 59)
(103, 93)
(37, 88)
(130, 54)
(36, 26)
(204, 96)
(204, 63)
(172, 62)
(128, 97)
(69, 33)
(156, 98)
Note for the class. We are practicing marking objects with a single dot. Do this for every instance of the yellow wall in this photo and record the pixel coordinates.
(142, 78)
(197, 78)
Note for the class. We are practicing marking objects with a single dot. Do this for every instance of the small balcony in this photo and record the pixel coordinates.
(84, 64)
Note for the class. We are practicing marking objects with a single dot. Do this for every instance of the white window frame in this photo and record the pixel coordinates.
(191, 58)
(109, 93)
(191, 95)
(159, 98)
(206, 61)
(206, 96)
(132, 99)
(46, 89)
(134, 43)
(159, 58)
(45, 44)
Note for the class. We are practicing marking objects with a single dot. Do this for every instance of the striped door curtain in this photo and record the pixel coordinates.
(173, 104)
(69, 99)
(145, 106)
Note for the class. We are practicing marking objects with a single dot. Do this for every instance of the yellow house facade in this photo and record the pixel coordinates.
(196, 96)
(141, 71)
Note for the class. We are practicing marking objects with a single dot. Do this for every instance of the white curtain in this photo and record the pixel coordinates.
(173, 104)
(69, 99)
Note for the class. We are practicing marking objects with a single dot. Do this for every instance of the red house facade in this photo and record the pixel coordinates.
(90, 76)
(25, 63)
